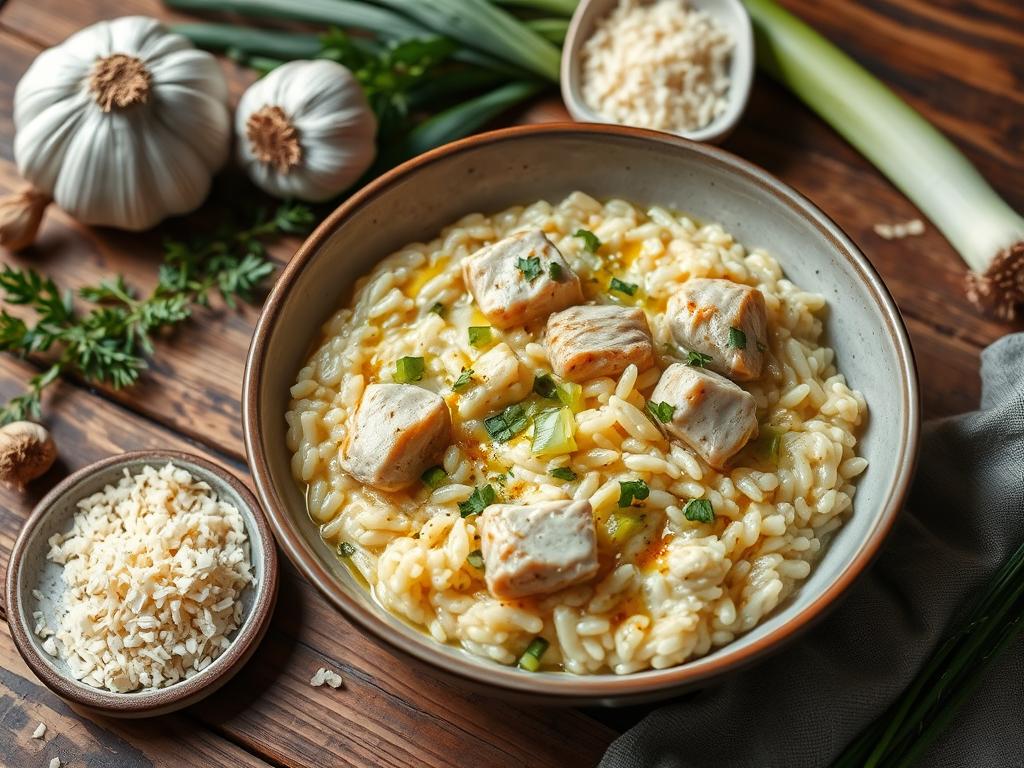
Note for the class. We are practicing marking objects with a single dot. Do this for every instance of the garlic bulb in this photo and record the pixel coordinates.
(305, 130)
(122, 124)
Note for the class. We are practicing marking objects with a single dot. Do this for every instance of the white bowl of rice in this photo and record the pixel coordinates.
(703, 566)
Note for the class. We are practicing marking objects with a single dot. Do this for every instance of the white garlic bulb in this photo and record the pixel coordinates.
(305, 131)
(122, 124)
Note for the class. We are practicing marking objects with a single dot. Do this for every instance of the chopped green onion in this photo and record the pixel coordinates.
(591, 242)
(346, 550)
(476, 559)
(555, 271)
(697, 359)
(737, 338)
(632, 489)
(553, 431)
(621, 526)
(507, 424)
(482, 497)
(699, 510)
(916, 157)
(439, 309)
(434, 477)
(627, 288)
(530, 660)
(544, 385)
(662, 412)
(570, 395)
(479, 335)
(563, 473)
(408, 370)
(464, 378)
(529, 267)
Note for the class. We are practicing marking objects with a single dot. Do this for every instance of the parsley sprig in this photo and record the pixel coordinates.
(109, 343)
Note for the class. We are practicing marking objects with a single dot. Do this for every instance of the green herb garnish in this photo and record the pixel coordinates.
(591, 242)
(439, 309)
(483, 496)
(530, 660)
(476, 559)
(630, 490)
(479, 335)
(737, 338)
(627, 288)
(699, 511)
(507, 424)
(555, 271)
(346, 550)
(464, 378)
(662, 412)
(563, 473)
(529, 267)
(697, 359)
(408, 370)
(544, 385)
(434, 477)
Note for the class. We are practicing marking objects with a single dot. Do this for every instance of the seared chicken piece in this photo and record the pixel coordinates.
(598, 340)
(712, 414)
(397, 432)
(499, 378)
(721, 319)
(537, 548)
(514, 282)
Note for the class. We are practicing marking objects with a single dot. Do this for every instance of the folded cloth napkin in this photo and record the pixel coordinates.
(804, 705)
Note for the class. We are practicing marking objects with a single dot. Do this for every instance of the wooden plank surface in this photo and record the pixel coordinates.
(960, 63)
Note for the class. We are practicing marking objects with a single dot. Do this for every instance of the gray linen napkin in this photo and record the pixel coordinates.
(802, 706)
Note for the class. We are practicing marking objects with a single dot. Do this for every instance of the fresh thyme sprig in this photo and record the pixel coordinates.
(109, 343)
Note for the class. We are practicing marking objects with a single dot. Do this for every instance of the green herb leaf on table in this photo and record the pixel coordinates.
(628, 289)
(662, 412)
(737, 338)
(699, 510)
(697, 359)
(529, 267)
(591, 242)
(630, 490)
(482, 497)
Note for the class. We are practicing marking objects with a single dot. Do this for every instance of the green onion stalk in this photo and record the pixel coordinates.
(913, 154)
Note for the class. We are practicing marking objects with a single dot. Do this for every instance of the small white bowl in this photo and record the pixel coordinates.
(730, 15)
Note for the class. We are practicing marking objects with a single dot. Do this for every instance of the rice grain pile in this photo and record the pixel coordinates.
(153, 571)
(657, 65)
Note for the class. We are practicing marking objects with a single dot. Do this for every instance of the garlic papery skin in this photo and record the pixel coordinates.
(305, 131)
(123, 124)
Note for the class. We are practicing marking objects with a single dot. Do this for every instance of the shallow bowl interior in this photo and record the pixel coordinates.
(30, 571)
(730, 15)
(522, 165)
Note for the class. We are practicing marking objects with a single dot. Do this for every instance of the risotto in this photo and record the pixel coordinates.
(628, 445)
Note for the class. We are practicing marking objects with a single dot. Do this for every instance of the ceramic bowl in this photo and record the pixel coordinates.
(730, 16)
(521, 165)
(30, 571)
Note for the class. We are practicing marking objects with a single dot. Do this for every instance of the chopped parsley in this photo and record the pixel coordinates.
(463, 381)
(632, 489)
(507, 424)
(529, 267)
(591, 242)
(476, 559)
(434, 477)
(555, 271)
(563, 473)
(737, 338)
(346, 550)
(544, 385)
(530, 660)
(479, 335)
(408, 369)
(699, 511)
(483, 496)
(697, 359)
(439, 309)
(662, 412)
(627, 288)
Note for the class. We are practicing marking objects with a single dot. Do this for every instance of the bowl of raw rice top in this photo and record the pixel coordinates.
(142, 583)
(382, 294)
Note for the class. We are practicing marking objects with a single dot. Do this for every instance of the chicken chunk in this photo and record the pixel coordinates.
(499, 378)
(397, 432)
(538, 548)
(713, 415)
(520, 278)
(598, 340)
(723, 320)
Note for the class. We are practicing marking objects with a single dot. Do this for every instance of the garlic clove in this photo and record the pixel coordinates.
(20, 216)
(26, 452)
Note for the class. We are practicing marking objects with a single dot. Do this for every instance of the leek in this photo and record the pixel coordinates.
(917, 158)
(553, 430)
(622, 526)
(561, 7)
(552, 30)
(273, 44)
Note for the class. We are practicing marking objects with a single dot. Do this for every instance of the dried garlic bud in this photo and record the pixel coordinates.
(26, 452)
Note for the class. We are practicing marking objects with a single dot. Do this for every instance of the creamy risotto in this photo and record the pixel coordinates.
(580, 436)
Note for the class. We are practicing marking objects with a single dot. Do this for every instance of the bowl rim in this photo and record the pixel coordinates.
(202, 684)
(564, 687)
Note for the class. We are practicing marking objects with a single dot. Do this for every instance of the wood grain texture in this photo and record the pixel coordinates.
(961, 62)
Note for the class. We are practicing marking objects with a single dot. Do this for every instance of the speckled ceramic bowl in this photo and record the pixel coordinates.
(29, 571)
(519, 166)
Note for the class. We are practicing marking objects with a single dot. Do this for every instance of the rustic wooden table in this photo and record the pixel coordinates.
(960, 63)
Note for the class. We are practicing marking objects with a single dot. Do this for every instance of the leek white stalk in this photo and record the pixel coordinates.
(913, 154)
